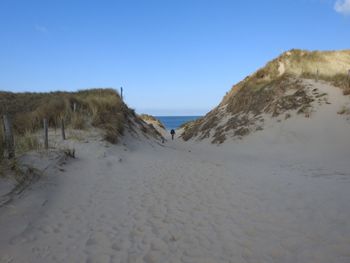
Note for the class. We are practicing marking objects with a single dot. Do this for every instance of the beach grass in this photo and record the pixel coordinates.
(96, 108)
(264, 92)
(101, 108)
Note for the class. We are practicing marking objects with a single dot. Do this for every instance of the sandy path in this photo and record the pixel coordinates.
(181, 203)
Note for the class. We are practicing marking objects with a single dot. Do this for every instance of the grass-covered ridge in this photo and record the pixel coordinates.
(331, 66)
(268, 91)
(98, 112)
(100, 108)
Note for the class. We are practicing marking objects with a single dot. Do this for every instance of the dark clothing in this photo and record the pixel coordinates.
(172, 132)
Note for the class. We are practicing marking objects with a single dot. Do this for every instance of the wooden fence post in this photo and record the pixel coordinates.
(9, 141)
(62, 129)
(121, 93)
(317, 75)
(349, 78)
(46, 133)
(74, 107)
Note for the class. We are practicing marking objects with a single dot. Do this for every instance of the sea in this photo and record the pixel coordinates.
(174, 122)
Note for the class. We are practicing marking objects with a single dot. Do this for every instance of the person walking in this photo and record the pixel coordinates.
(172, 132)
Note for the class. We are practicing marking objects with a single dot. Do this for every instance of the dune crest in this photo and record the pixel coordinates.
(297, 83)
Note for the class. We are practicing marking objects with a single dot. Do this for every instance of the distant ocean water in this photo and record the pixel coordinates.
(174, 122)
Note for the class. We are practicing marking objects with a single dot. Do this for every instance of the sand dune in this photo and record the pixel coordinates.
(142, 201)
(277, 193)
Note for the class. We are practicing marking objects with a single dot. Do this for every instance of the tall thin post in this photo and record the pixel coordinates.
(349, 78)
(74, 107)
(62, 129)
(121, 93)
(317, 75)
(9, 141)
(46, 134)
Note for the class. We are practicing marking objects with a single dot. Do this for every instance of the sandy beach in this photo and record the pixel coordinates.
(142, 201)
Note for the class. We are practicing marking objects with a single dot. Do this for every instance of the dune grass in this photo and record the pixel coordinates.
(268, 82)
(265, 90)
(151, 119)
(100, 108)
(27, 142)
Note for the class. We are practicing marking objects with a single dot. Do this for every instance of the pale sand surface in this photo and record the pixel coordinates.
(166, 204)
(268, 198)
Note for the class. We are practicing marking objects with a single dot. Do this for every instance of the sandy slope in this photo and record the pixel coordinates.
(185, 202)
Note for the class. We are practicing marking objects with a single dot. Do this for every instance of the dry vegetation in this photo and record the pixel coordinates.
(150, 119)
(269, 98)
(101, 108)
(330, 66)
(267, 91)
(247, 106)
(98, 108)
(27, 142)
(147, 125)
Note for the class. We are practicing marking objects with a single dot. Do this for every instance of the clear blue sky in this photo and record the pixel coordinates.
(173, 57)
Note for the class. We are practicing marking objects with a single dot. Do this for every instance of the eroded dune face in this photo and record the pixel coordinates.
(296, 84)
